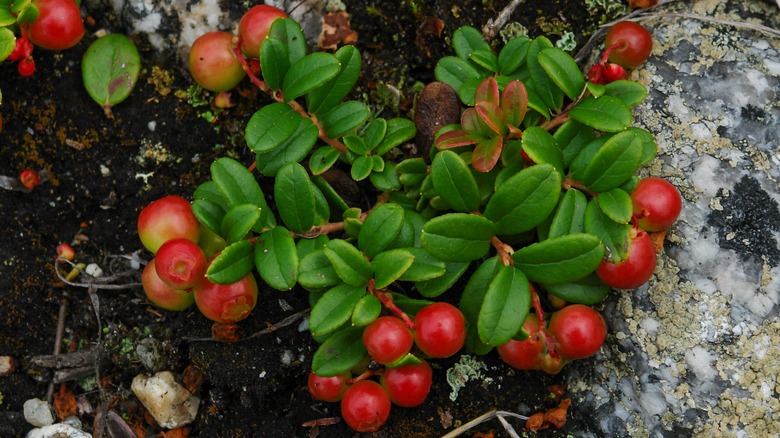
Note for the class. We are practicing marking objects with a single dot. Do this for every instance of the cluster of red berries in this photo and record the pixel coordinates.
(176, 277)
(628, 44)
(59, 26)
(656, 204)
(439, 331)
(213, 60)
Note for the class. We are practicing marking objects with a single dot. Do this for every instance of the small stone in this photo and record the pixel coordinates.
(7, 365)
(168, 402)
(59, 430)
(38, 413)
(150, 354)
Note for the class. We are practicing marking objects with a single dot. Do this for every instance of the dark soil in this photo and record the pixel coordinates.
(103, 171)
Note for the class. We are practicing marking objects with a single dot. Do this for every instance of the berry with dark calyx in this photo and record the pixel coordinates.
(387, 339)
(613, 72)
(165, 219)
(29, 178)
(440, 330)
(181, 264)
(365, 406)
(254, 26)
(213, 64)
(628, 44)
(408, 385)
(657, 203)
(635, 270)
(579, 331)
(526, 354)
(552, 364)
(328, 389)
(226, 302)
(58, 27)
(162, 295)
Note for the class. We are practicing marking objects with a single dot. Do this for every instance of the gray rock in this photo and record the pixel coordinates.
(59, 430)
(167, 401)
(38, 413)
(696, 350)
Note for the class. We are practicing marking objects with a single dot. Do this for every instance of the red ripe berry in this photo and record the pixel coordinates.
(387, 339)
(440, 330)
(165, 219)
(635, 269)
(657, 203)
(365, 406)
(579, 331)
(254, 26)
(26, 67)
(162, 295)
(181, 263)
(526, 354)
(613, 72)
(328, 389)
(628, 44)
(29, 178)
(59, 25)
(408, 385)
(226, 302)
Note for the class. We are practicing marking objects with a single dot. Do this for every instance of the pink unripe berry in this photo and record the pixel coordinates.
(254, 26)
(213, 64)
(162, 295)
(226, 302)
(165, 219)
(181, 264)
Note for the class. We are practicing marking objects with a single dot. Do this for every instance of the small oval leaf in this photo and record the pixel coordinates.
(505, 306)
(380, 228)
(588, 290)
(614, 162)
(238, 221)
(471, 303)
(616, 204)
(607, 113)
(334, 309)
(340, 352)
(316, 271)
(309, 73)
(454, 182)
(561, 259)
(110, 69)
(563, 70)
(330, 94)
(295, 198)
(276, 258)
(232, 264)
(458, 237)
(366, 311)
(344, 118)
(425, 266)
(350, 264)
(390, 265)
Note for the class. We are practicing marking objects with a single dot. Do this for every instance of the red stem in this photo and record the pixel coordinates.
(549, 341)
(387, 301)
(504, 251)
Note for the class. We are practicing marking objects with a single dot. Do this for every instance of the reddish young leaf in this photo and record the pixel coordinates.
(474, 125)
(487, 90)
(493, 116)
(514, 102)
(487, 153)
(454, 139)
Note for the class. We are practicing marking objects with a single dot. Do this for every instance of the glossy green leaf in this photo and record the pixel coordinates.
(274, 62)
(616, 204)
(561, 259)
(399, 130)
(563, 70)
(344, 118)
(588, 290)
(466, 40)
(334, 200)
(471, 303)
(614, 236)
(309, 73)
(513, 54)
(583, 159)
(292, 150)
(569, 217)
(438, 285)
(367, 310)
(630, 92)
(607, 113)
(425, 266)
(27, 12)
(356, 144)
(378, 164)
(539, 80)
(485, 59)
(542, 147)
(458, 237)
(386, 180)
(454, 182)
(7, 19)
(316, 271)
(505, 306)
(334, 308)
(272, 126)
(238, 221)
(238, 186)
(232, 264)
(308, 246)
(380, 227)
(350, 264)
(340, 352)
(571, 137)
(524, 200)
(455, 72)
(614, 162)
(362, 168)
(330, 94)
(209, 214)
(110, 69)
(7, 40)
(390, 265)
(323, 159)
(276, 258)
(649, 147)
(294, 198)
(375, 132)
(289, 32)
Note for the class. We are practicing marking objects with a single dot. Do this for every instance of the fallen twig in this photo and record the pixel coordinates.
(486, 417)
(491, 28)
(281, 324)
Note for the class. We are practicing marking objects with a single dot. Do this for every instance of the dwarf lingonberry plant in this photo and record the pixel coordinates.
(531, 191)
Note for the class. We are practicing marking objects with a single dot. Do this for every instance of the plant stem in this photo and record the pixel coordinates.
(387, 301)
(504, 251)
(549, 341)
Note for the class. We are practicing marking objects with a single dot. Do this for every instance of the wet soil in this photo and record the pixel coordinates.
(103, 171)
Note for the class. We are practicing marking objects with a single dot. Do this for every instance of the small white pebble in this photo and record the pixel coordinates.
(93, 270)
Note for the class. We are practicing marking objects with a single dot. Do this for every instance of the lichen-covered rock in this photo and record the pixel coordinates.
(698, 349)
